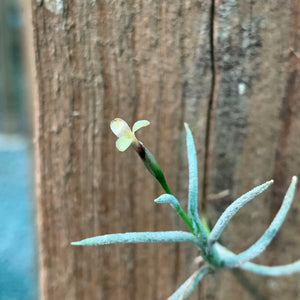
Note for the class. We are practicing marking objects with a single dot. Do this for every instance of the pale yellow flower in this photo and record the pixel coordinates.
(126, 136)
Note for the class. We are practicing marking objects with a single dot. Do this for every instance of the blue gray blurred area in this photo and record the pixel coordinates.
(18, 262)
(13, 104)
(17, 250)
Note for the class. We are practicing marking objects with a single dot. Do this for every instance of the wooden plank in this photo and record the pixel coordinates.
(255, 140)
(226, 68)
(96, 61)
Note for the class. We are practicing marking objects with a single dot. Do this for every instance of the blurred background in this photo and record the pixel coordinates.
(18, 255)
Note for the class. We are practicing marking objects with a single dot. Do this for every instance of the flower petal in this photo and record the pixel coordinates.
(120, 128)
(123, 143)
(139, 124)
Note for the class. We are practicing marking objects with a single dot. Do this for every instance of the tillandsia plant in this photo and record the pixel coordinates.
(213, 253)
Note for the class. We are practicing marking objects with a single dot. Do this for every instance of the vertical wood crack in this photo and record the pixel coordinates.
(210, 111)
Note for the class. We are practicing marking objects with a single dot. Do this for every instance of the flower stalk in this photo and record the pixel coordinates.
(152, 166)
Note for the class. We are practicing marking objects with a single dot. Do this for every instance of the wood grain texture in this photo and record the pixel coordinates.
(255, 131)
(236, 63)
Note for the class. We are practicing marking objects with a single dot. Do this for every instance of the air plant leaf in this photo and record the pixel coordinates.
(138, 237)
(168, 198)
(232, 209)
(193, 173)
(281, 270)
(193, 185)
(272, 270)
(189, 285)
(260, 245)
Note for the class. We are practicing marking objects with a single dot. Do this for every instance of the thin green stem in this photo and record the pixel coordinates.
(169, 198)
(187, 220)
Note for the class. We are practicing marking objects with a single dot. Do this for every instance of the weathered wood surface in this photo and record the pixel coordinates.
(228, 68)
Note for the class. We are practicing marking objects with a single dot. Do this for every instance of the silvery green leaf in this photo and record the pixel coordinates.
(168, 198)
(232, 209)
(138, 237)
(272, 270)
(189, 285)
(280, 270)
(260, 245)
(193, 185)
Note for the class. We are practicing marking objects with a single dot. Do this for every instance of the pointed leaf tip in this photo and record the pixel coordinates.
(75, 243)
(167, 198)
